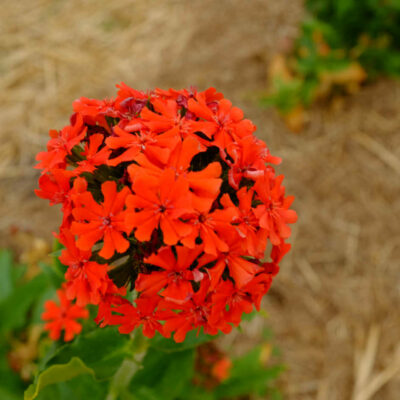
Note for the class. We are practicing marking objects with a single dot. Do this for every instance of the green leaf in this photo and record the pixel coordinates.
(192, 340)
(11, 386)
(194, 392)
(56, 374)
(164, 373)
(102, 350)
(6, 281)
(285, 96)
(73, 371)
(6, 394)
(142, 393)
(80, 387)
(13, 308)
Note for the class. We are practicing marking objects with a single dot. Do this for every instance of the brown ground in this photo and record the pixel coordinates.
(334, 308)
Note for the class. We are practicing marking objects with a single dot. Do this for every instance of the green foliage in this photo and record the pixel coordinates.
(103, 364)
(287, 94)
(341, 43)
(163, 374)
(81, 387)
(102, 350)
(21, 302)
(113, 365)
(370, 28)
(10, 385)
(55, 374)
(6, 274)
(14, 308)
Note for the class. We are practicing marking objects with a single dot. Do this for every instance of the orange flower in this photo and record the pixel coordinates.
(246, 223)
(161, 206)
(241, 269)
(63, 317)
(248, 160)
(60, 145)
(94, 221)
(274, 213)
(156, 147)
(166, 118)
(93, 156)
(223, 125)
(87, 281)
(204, 184)
(175, 276)
(221, 369)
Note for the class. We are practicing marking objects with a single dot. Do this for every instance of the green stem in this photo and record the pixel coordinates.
(129, 366)
(122, 378)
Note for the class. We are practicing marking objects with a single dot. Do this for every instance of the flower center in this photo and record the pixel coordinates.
(106, 221)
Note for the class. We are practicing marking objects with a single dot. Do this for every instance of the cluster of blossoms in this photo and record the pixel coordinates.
(169, 202)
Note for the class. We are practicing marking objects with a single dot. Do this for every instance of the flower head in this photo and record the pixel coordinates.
(170, 194)
(63, 317)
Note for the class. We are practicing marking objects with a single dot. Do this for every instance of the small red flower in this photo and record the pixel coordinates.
(194, 314)
(130, 102)
(161, 206)
(204, 185)
(94, 111)
(240, 269)
(175, 277)
(221, 121)
(60, 145)
(87, 281)
(246, 223)
(110, 300)
(166, 119)
(63, 317)
(155, 146)
(248, 156)
(221, 369)
(94, 222)
(274, 213)
(144, 314)
(232, 302)
(212, 228)
(93, 156)
(55, 186)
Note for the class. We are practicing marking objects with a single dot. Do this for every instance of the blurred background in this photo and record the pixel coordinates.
(332, 116)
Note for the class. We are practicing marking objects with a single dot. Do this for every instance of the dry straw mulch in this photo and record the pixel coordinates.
(334, 306)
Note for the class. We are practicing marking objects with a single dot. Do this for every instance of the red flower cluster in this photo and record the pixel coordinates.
(168, 193)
